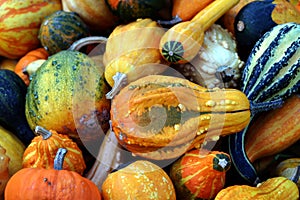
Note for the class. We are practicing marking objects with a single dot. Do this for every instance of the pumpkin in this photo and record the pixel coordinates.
(258, 17)
(12, 105)
(272, 188)
(71, 28)
(20, 23)
(184, 10)
(67, 94)
(161, 117)
(289, 168)
(50, 184)
(199, 174)
(140, 180)
(132, 60)
(182, 42)
(14, 149)
(4, 171)
(33, 55)
(97, 17)
(42, 150)
(274, 131)
(132, 10)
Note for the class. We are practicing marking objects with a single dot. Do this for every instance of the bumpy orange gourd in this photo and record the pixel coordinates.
(50, 184)
(43, 148)
(162, 117)
(200, 174)
(36, 54)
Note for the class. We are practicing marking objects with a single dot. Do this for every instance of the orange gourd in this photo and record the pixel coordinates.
(4, 171)
(51, 184)
(200, 174)
(43, 148)
(36, 54)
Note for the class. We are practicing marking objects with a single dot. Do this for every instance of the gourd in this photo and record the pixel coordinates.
(200, 174)
(161, 117)
(128, 11)
(140, 180)
(20, 23)
(55, 183)
(7, 63)
(270, 76)
(14, 149)
(274, 188)
(184, 10)
(67, 94)
(182, 42)
(4, 171)
(71, 28)
(132, 60)
(274, 131)
(258, 17)
(289, 168)
(12, 105)
(97, 17)
(33, 55)
(217, 63)
(43, 148)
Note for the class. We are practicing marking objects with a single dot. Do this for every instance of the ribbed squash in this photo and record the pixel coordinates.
(200, 174)
(20, 22)
(270, 76)
(67, 94)
(279, 188)
(71, 28)
(43, 148)
(161, 117)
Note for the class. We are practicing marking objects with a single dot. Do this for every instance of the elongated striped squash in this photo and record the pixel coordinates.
(270, 76)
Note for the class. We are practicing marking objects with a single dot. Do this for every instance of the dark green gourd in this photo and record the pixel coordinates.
(12, 105)
(270, 76)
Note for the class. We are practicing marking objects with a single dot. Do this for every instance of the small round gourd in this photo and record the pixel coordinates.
(59, 30)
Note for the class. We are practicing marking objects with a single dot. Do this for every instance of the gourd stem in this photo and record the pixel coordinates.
(59, 158)
(43, 132)
(257, 107)
(86, 41)
(120, 80)
(173, 21)
(296, 175)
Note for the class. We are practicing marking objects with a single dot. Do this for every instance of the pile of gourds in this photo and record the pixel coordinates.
(151, 99)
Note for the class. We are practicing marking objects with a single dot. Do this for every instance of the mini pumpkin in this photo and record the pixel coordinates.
(43, 148)
(200, 174)
(50, 184)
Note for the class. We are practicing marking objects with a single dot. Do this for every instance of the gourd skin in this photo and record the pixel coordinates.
(4, 171)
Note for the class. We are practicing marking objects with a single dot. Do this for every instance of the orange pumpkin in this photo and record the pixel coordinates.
(50, 184)
(200, 174)
(42, 150)
(33, 55)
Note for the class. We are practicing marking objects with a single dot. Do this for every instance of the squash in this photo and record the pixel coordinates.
(217, 64)
(274, 188)
(20, 23)
(184, 10)
(132, 60)
(199, 174)
(71, 28)
(268, 79)
(140, 180)
(128, 11)
(4, 171)
(7, 63)
(43, 148)
(289, 168)
(161, 117)
(274, 131)
(48, 184)
(97, 17)
(12, 105)
(258, 17)
(33, 55)
(14, 149)
(182, 42)
(67, 94)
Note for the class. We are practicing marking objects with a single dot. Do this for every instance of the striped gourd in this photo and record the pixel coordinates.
(270, 76)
